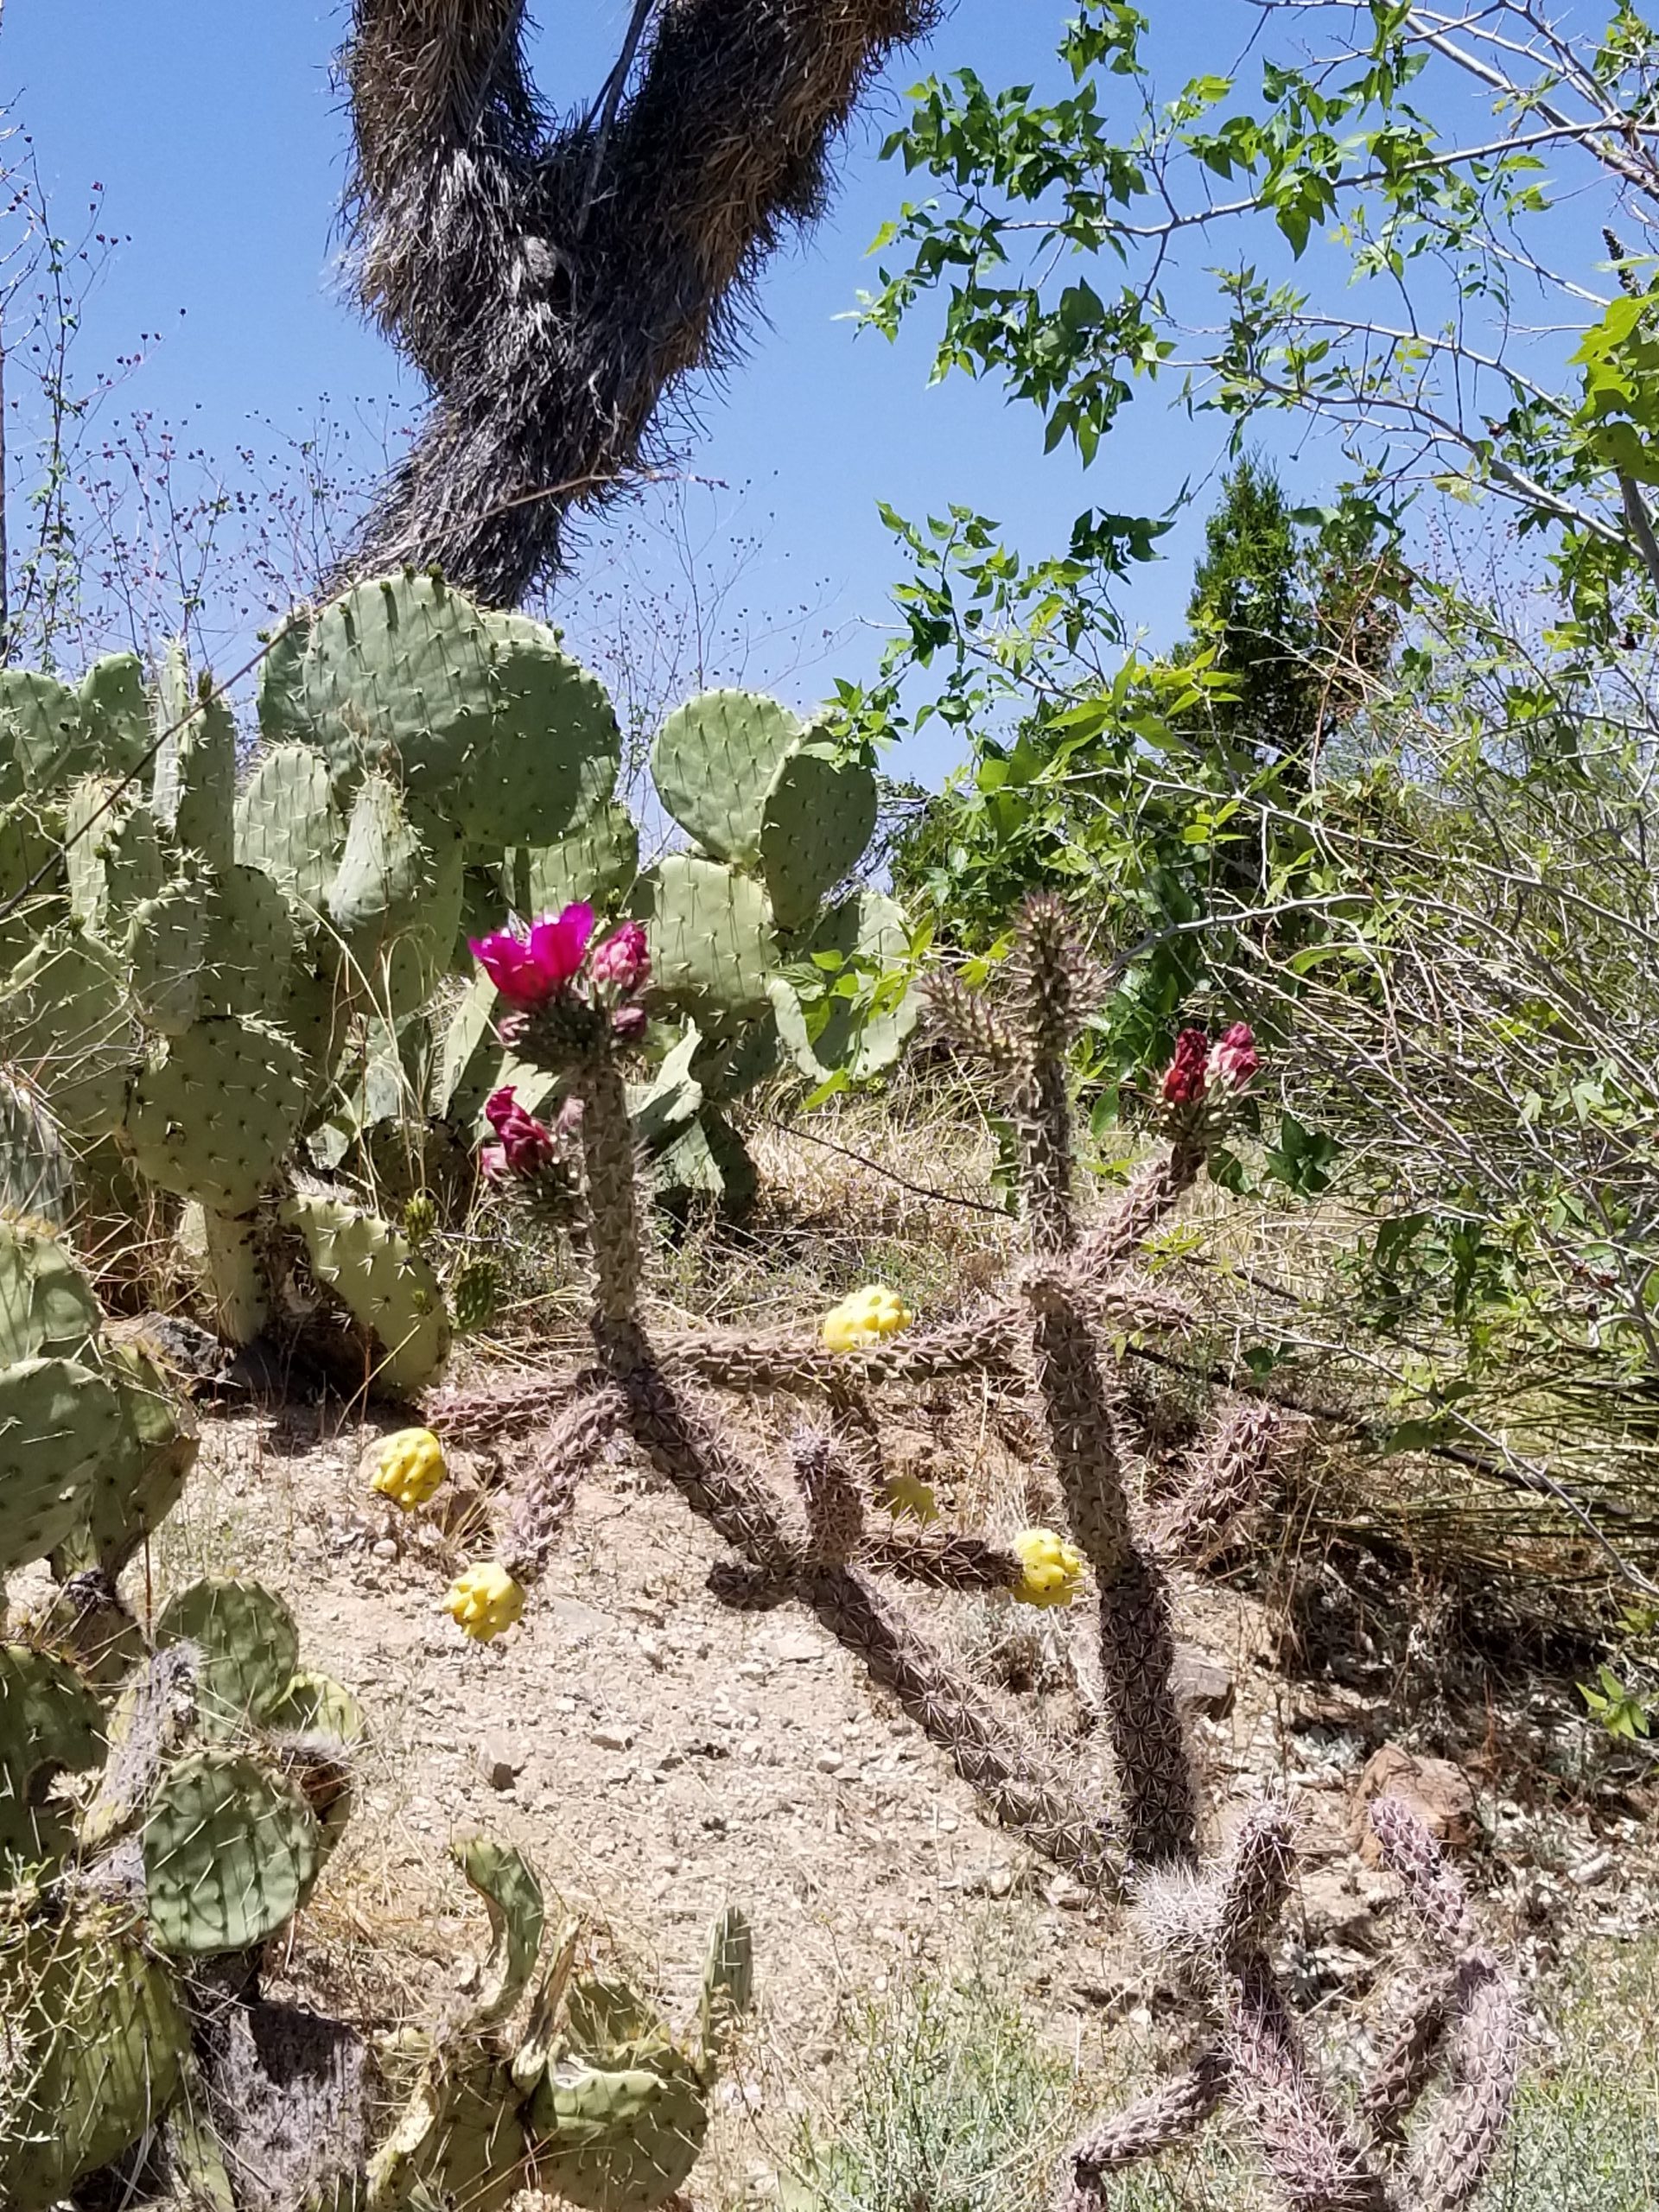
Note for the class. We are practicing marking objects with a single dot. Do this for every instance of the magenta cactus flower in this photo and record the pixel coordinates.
(1184, 1080)
(1234, 1059)
(530, 970)
(623, 961)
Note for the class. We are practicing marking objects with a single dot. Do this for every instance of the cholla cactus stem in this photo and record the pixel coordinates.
(1483, 2054)
(1225, 1479)
(834, 1509)
(1297, 2127)
(615, 1244)
(1155, 2123)
(939, 1558)
(1408, 2064)
(558, 1458)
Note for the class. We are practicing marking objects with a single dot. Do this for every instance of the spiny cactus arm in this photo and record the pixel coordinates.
(1137, 1645)
(966, 1018)
(615, 1241)
(835, 1507)
(1148, 1197)
(556, 1460)
(1007, 1771)
(1155, 2123)
(1244, 1452)
(1315, 2163)
(792, 1360)
(1054, 988)
(1483, 2054)
(671, 1429)
(1408, 2062)
(941, 1558)
(1433, 1889)
(475, 1418)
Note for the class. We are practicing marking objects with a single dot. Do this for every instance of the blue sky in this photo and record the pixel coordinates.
(219, 143)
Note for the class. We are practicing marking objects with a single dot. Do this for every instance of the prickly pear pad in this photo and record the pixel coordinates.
(230, 1854)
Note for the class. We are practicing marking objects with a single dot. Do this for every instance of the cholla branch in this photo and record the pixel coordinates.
(1225, 1481)
(1459, 2026)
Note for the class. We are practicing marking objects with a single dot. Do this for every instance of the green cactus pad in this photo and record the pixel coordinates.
(661, 1108)
(712, 947)
(112, 856)
(513, 1896)
(236, 1275)
(818, 817)
(388, 1289)
(58, 1418)
(66, 1027)
(140, 1479)
(249, 945)
(50, 1724)
(714, 761)
(283, 718)
(597, 860)
(46, 1307)
(43, 735)
(553, 741)
(617, 2141)
(395, 899)
(400, 670)
(193, 785)
(216, 1113)
(249, 1650)
(288, 824)
(114, 709)
(316, 1704)
(458, 2140)
(732, 1057)
(166, 939)
(728, 1982)
(230, 1852)
(34, 1172)
(96, 2043)
(708, 1161)
(608, 2023)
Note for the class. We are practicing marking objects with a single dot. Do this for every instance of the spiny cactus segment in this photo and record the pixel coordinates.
(1460, 2029)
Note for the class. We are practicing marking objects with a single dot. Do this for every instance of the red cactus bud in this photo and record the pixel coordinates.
(1183, 1078)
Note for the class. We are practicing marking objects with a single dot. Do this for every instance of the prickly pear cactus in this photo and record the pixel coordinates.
(92, 2048)
(390, 1289)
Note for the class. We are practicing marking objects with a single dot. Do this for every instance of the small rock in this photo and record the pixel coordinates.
(1438, 1792)
(384, 1549)
(1201, 1685)
(613, 1736)
(1589, 1872)
(1069, 1895)
(828, 1762)
(999, 1881)
(499, 1764)
(798, 1649)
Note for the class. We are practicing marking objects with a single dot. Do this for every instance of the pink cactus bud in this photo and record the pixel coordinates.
(628, 1024)
(1234, 1059)
(529, 971)
(526, 1145)
(1183, 1078)
(623, 961)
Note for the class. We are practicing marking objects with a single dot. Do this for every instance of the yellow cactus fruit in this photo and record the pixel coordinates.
(907, 1497)
(1053, 1570)
(409, 1467)
(484, 1600)
(864, 1316)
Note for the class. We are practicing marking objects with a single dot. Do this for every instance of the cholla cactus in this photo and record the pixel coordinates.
(1460, 2026)
(818, 1542)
